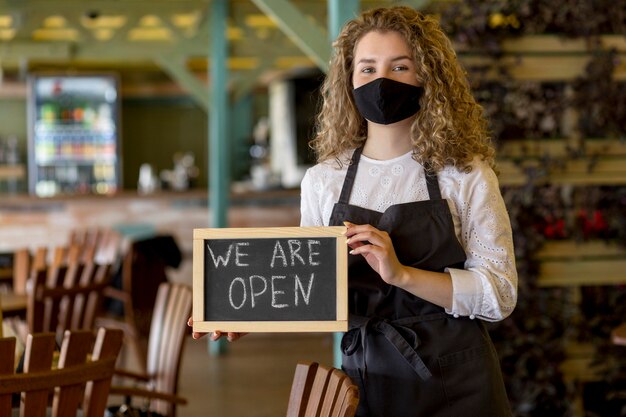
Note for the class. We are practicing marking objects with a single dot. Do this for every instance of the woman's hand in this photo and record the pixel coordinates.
(377, 249)
(230, 336)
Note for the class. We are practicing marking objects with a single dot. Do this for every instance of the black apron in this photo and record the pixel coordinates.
(407, 355)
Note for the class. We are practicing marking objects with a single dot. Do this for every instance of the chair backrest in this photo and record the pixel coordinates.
(25, 264)
(66, 294)
(319, 391)
(165, 344)
(77, 382)
(100, 243)
(144, 269)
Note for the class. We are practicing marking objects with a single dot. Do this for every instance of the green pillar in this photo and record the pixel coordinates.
(241, 126)
(219, 175)
(339, 12)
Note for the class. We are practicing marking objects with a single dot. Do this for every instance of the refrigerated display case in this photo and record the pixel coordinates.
(74, 134)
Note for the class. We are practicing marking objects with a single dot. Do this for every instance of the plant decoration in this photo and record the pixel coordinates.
(480, 24)
(604, 307)
(483, 24)
(546, 318)
(522, 110)
(600, 101)
(531, 343)
(572, 18)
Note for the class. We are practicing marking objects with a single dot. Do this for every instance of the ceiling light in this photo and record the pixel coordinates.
(7, 34)
(150, 21)
(234, 33)
(243, 63)
(149, 34)
(6, 21)
(288, 62)
(53, 22)
(103, 34)
(259, 20)
(103, 22)
(62, 34)
(186, 20)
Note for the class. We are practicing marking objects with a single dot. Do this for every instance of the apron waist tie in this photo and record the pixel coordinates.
(397, 332)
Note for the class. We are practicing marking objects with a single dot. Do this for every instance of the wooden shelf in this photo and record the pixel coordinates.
(581, 172)
(553, 44)
(592, 162)
(545, 57)
(560, 147)
(572, 264)
(579, 364)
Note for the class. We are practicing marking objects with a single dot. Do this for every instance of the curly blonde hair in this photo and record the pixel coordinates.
(448, 130)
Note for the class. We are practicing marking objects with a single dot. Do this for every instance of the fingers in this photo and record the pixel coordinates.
(359, 235)
(235, 336)
(230, 336)
(353, 229)
(195, 335)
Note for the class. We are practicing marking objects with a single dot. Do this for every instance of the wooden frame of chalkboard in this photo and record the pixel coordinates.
(270, 279)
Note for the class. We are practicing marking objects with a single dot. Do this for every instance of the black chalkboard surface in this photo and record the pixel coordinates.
(290, 279)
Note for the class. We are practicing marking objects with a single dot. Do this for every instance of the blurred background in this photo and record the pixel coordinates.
(155, 117)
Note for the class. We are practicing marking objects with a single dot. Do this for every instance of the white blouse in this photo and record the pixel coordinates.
(487, 287)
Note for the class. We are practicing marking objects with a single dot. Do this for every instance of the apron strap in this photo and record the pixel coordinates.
(346, 190)
(433, 185)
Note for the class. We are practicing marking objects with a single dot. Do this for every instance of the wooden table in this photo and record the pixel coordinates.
(13, 304)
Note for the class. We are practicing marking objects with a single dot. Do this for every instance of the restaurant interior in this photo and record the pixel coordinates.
(126, 125)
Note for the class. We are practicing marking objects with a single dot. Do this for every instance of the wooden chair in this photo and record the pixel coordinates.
(66, 296)
(25, 264)
(90, 245)
(81, 381)
(319, 391)
(64, 293)
(167, 336)
(143, 269)
(101, 244)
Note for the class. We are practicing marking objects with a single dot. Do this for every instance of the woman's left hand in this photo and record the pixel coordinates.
(376, 247)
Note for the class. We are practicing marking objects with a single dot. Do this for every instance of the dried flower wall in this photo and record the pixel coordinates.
(582, 112)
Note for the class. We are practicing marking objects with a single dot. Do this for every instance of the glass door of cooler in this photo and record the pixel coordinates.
(74, 143)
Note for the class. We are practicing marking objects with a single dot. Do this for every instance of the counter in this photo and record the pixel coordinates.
(27, 221)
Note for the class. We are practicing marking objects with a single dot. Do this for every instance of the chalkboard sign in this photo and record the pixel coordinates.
(271, 279)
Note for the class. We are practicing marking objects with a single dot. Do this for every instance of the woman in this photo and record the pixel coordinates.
(404, 161)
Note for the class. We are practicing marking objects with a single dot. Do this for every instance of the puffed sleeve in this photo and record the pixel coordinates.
(487, 287)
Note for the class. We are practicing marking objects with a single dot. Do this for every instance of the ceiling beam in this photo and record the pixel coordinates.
(13, 53)
(250, 79)
(174, 66)
(135, 51)
(309, 37)
(64, 7)
(244, 85)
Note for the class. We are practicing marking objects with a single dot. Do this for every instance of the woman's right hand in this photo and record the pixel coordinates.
(230, 336)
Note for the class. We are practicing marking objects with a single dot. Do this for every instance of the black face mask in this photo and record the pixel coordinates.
(386, 101)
